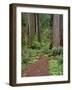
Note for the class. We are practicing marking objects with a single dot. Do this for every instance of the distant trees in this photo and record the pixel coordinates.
(40, 33)
(36, 24)
(24, 31)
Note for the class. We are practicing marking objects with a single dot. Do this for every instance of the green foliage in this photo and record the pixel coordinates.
(24, 42)
(31, 54)
(56, 61)
(36, 45)
(25, 56)
(60, 59)
(24, 19)
(56, 65)
(55, 68)
(45, 21)
(45, 49)
(56, 51)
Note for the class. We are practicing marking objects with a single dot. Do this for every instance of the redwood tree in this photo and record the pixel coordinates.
(57, 30)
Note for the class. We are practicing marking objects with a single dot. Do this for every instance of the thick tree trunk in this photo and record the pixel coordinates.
(56, 30)
(31, 24)
(61, 30)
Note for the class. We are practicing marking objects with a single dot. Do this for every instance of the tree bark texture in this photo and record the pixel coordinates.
(57, 30)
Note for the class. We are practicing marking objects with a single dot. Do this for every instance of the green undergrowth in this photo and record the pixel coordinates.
(55, 65)
(55, 58)
(41, 44)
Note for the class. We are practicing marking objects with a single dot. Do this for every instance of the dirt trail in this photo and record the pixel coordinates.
(40, 68)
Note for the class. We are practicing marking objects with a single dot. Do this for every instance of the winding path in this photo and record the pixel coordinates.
(40, 68)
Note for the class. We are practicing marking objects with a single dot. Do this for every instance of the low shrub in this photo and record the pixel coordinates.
(36, 45)
(57, 51)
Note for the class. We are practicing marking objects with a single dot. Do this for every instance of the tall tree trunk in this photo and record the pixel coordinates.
(56, 30)
(61, 30)
(38, 32)
(31, 24)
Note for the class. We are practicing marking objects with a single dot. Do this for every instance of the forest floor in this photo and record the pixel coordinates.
(39, 68)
